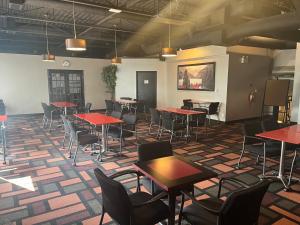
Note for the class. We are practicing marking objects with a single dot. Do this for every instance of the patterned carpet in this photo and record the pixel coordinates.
(39, 185)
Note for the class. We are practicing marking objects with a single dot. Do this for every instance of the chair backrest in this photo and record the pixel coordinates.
(268, 125)
(115, 199)
(154, 150)
(47, 110)
(130, 121)
(213, 108)
(109, 105)
(116, 114)
(117, 107)
(87, 107)
(252, 128)
(187, 104)
(167, 120)
(2, 108)
(71, 129)
(242, 207)
(155, 116)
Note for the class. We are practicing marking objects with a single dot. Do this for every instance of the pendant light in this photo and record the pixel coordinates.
(116, 59)
(48, 57)
(168, 51)
(74, 44)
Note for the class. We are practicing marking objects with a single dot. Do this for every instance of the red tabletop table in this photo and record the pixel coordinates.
(97, 119)
(186, 112)
(3, 119)
(173, 174)
(64, 105)
(289, 134)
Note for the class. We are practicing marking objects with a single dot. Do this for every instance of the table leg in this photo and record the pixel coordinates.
(172, 203)
(187, 127)
(3, 142)
(65, 110)
(103, 142)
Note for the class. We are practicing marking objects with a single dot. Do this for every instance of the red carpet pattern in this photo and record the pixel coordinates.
(39, 185)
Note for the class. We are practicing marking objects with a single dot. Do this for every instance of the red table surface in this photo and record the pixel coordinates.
(181, 111)
(3, 118)
(63, 104)
(97, 118)
(173, 168)
(289, 134)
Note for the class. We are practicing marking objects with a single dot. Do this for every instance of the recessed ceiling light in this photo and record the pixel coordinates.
(115, 10)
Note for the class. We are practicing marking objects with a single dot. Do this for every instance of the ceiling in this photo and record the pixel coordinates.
(142, 26)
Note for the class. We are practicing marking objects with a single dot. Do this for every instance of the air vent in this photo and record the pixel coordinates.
(16, 4)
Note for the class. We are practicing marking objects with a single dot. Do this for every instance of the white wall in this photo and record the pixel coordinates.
(199, 55)
(296, 90)
(126, 77)
(24, 81)
(284, 57)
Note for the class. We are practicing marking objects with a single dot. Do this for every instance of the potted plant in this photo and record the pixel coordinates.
(109, 77)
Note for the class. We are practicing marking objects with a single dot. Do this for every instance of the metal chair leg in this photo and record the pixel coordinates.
(75, 155)
(292, 168)
(102, 216)
(241, 156)
(264, 162)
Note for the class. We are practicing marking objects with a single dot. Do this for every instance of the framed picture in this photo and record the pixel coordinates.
(196, 77)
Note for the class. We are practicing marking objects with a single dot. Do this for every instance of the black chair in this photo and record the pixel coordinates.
(170, 124)
(116, 114)
(150, 151)
(256, 145)
(139, 208)
(212, 109)
(187, 104)
(118, 107)
(2, 108)
(197, 121)
(154, 119)
(81, 138)
(242, 206)
(51, 114)
(109, 107)
(126, 130)
(294, 165)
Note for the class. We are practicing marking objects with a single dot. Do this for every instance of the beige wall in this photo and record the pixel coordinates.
(24, 83)
(126, 77)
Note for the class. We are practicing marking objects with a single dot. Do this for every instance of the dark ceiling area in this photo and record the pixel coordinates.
(142, 26)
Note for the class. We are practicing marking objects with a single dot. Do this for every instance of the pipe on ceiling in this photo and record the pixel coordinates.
(262, 26)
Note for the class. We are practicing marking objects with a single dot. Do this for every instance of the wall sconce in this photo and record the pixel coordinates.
(244, 59)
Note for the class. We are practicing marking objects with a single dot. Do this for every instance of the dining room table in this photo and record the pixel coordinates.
(97, 119)
(3, 119)
(64, 105)
(186, 112)
(290, 134)
(173, 174)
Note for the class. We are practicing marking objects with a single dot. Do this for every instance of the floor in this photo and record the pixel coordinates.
(39, 185)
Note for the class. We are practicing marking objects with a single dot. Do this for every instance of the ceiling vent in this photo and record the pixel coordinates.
(16, 4)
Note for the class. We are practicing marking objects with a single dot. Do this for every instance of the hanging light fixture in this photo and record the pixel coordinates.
(48, 57)
(116, 59)
(74, 44)
(168, 51)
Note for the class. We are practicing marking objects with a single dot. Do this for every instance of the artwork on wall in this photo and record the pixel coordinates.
(196, 77)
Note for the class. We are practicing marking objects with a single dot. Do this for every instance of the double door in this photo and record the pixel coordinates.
(66, 86)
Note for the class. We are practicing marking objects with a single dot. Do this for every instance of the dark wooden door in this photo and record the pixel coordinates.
(147, 87)
(66, 85)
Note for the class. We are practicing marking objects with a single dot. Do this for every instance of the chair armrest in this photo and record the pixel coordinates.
(230, 179)
(125, 172)
(199, 204)
(154, 199)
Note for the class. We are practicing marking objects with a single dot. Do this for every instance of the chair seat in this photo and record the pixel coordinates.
(271, 150)
(149, 214)
(115, 132)
(87, 139)
(198, 216)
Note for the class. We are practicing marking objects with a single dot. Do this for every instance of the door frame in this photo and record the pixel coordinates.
(66, 71)
(136, 94)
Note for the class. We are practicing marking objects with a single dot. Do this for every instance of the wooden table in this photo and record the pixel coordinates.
(64, 105)
(173, 174)
(186, 112)
(289, 134)
(97, 119)
(3, 119)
